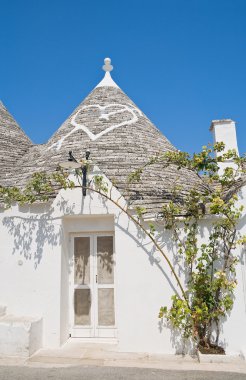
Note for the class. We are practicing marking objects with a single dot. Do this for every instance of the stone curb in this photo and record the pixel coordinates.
(207, 358)
(223, 363)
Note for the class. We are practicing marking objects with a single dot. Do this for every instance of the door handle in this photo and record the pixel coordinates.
(96, 278)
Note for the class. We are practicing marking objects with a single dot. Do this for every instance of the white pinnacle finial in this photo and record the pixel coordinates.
(107, 65)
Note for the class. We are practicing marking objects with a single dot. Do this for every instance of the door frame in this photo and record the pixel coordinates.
(93, 331)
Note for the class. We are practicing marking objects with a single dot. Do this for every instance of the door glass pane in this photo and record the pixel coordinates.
(81, 260)
(105, 262)
(106, 307)
(82, 307)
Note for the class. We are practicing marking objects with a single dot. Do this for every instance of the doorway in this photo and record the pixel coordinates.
(92, 286)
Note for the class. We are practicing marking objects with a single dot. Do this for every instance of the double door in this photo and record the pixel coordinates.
(93, 290)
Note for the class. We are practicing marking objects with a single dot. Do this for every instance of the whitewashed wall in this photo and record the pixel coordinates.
(34, 272)
(30, 266)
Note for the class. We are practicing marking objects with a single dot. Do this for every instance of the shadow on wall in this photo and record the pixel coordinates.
(30, 234)
(166, 242)
(150, 251)
(33, 232)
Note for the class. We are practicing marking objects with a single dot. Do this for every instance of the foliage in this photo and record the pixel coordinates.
(40, 188)
(100, 184)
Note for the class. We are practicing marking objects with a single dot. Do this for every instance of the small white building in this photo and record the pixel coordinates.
(77, 266)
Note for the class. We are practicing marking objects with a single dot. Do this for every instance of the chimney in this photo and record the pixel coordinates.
(225, 131)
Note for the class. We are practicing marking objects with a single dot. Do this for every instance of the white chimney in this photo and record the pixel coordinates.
(225, 131)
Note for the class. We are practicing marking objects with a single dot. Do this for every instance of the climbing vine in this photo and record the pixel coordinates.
(210, 265)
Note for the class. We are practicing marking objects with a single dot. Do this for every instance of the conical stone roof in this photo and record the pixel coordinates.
(120, 139)
(14, 143)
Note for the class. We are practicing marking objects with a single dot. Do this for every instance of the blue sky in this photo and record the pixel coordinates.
(183, 62)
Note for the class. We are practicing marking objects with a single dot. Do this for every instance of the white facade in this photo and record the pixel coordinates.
(36, 281)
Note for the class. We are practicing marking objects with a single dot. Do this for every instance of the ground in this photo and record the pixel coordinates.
(109, 373)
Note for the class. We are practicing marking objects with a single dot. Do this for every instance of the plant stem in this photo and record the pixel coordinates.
(147, 233)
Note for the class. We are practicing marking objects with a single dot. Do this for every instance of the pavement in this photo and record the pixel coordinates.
(111, 373)
(78, 353)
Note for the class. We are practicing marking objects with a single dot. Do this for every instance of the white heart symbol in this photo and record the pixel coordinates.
(133, 110)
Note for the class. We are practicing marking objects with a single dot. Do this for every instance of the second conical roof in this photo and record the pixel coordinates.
(14, 143)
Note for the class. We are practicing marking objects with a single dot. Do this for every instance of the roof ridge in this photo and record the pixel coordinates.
(2, 105)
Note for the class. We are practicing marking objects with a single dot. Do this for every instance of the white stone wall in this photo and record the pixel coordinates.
(34, 272)
(30, 265)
